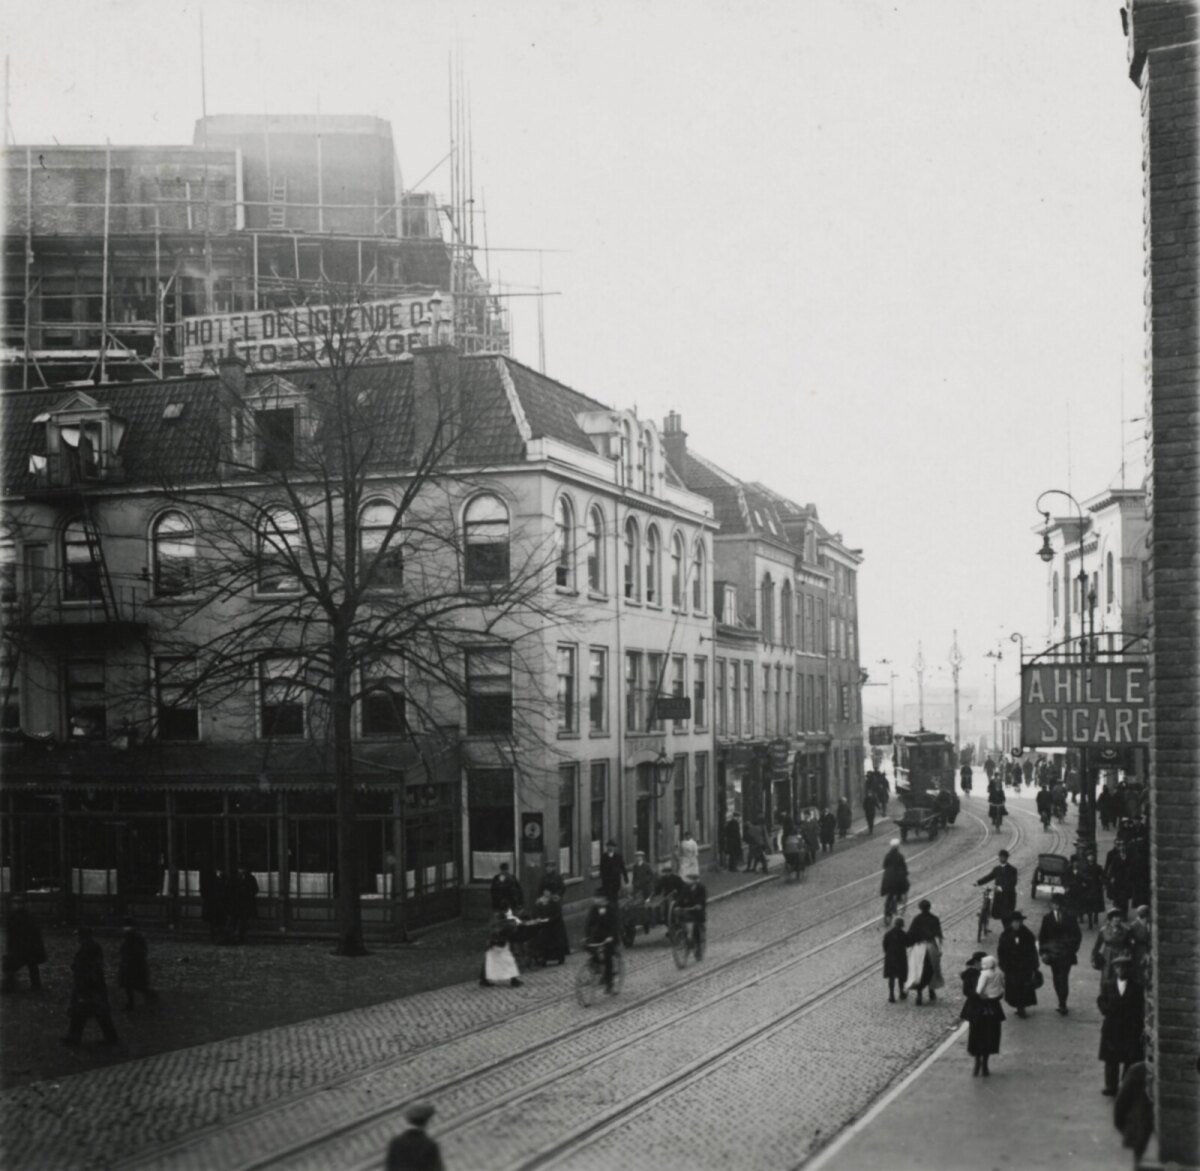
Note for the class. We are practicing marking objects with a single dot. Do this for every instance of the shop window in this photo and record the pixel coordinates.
(599, 799)
(490, 821)
(489, 691)
(486, 534)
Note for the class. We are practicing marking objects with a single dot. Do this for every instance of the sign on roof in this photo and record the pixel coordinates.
(1104, 705)
(276, 339)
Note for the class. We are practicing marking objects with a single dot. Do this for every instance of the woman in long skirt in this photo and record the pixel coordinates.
(499, 965)
(983, 986)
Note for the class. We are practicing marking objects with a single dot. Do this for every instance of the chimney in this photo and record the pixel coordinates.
(675, 441)
(435, 397)
(231, 369)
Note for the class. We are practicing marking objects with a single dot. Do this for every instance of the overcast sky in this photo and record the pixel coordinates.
(885, 257)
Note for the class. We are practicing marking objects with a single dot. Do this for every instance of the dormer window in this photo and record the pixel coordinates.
(269, 426)
(82, 443)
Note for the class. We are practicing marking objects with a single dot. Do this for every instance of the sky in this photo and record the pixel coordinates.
(883, 257)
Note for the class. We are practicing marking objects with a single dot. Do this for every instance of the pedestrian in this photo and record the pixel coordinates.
(828, 826)
(1112, 940)
(214, 901)
(983, 986)
(1017, 955)
(1105, 807)
(1044, 807)
(1058, 941)
(613, 875)
(1003, 877)
(1118, 876)
(755, 847)
(869, 810)
(23, 946)
(243, 905)
(600, 933)
(133, 965)
(506, 890)
(1092, 887)
(894, 883)
(499, 964)
(1133, 1111)
(412, 1149)
(1139, 941)
(810, 831)
(689, 856)
(552, 882)
(89, 993)
(1123, 1006)
(925, 952)
(732, 842)
(895, 959)
(642, 877)
(843, 817)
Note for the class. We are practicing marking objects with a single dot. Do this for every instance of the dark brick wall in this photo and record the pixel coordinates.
(1164, 62)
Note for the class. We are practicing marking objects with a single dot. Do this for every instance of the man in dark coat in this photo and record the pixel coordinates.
(23, 946)
(1058, 941)
(552, 882)
(214, 901)
(613, 875)
(1118, 877)
(895, 873)
(1045, 807)
(1123, 1005)
(243, 905)
(828, 829)
(1105, 807)
(732, 843)
(1003, 877)
(869, 810)
(89, 993)
(843, 817)
(506, 890)
(1017, 955)
(895, 959)
(133, 965)
(412, 1149)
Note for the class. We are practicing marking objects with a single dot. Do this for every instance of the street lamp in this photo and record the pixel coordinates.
(995, 656)
(1087, 595)
(663, 769)
(892, 682)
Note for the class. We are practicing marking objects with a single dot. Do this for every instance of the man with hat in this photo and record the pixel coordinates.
(133, 965)
(412, 1149)
(643, 877)
(600, 933)
(613, 875)
(1118, 877)
(1002, 876)
(1123, 1006)
(89, 993)
(1017, 955)
(1058, 942)
(506, 890)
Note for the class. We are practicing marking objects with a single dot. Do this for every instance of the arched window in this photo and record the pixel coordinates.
(595, 556)
(173, 554)
(1109, 584)
(650, 467)
(1054, 594)
(278, 552)
(564, 543)
(699, 579)
(653, 567)
(677, 571)
(785, 613)
(643, 462)
(81, 571)
(627, 451)
(632, 557)
(385, 566)
(767, 608)
(485, 532)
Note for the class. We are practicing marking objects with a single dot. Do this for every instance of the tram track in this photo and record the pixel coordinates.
(371, 1127)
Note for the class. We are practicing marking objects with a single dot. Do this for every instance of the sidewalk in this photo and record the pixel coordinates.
(1042, 1107)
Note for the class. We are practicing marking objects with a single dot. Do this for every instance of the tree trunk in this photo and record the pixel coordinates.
(349, 912)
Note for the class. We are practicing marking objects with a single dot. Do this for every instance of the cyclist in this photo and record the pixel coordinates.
(965, 775)
(693, 901)
(600, 935)
(1045, 805)
(997, 804)
(1004, 878)
(894, 885)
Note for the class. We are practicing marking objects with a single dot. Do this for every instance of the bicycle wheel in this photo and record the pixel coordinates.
(618, 972)
(589, 982)
(680, 945)
(981, 929)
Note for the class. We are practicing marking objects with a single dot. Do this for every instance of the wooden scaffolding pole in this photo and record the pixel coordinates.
(104, 260)
(28, 259)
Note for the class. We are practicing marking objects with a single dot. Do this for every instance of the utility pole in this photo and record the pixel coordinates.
(995, 656)
(956, 660)
(919, 667)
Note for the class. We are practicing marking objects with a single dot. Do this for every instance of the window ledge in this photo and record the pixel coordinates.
(600, 734)
(568, 590)
(597, 596)
(563, 735)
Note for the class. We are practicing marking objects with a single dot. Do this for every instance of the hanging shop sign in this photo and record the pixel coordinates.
(879, 735)
(276, 339)
(1104, 705)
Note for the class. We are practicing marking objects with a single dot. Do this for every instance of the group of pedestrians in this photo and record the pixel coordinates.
(227, 903)
(801, 840)
(912, 957)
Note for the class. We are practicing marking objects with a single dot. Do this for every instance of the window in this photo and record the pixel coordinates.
(700, 795)
(380, 547)
(653, 567)
(679, 686)
(382, 709)
(84, 694)
(10, 693)
(174, 555)
(851, 642)
(491, 820)
(567, 720)
(598, 689)
(599, 794)
(489, 691)
(748, 688)
(787, 703)
(677, 571)
(564, 544)
(568, 784)
(595, 555)
(786, 613)
(699, 698)
(766, 701)
(275, 440)
(722, 713)
(8, 573)
(281, 698)
(485, 525)
(767, 608)
(278, 552)
(778, 726)
(37, 573)
(801, 710)
(1109, 585)
(729, 614)
(679, 787)
(735, 694)
(176, 712)
(810, 627)
(633, 691)
(632, 553)
(699, 579)
(81, 573)
(1145, 581)
(654, 682)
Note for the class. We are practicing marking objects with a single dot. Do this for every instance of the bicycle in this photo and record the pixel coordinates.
(893, 905)
(589, 979)
(985, 915)
(997, 813)
(685, 943)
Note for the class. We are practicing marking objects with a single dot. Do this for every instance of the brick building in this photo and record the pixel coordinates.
(1164, 58)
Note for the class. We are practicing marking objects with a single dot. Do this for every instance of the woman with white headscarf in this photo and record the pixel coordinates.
(983, 986)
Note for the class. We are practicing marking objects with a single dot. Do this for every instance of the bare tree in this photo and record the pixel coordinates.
(330, 569)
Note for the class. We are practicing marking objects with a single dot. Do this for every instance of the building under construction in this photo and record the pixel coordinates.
(109, 251)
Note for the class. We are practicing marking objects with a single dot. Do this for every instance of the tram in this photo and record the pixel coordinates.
(925, 765)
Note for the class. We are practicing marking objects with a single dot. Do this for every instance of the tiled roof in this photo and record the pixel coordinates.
(550, 407)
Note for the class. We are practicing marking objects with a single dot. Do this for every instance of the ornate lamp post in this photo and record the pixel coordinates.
(1086, 837)
(663, 769)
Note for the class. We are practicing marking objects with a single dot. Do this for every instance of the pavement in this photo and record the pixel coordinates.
(1042, 1107)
